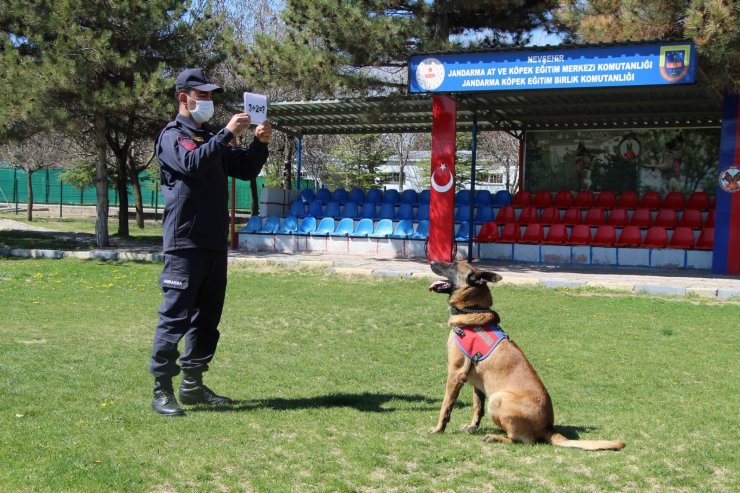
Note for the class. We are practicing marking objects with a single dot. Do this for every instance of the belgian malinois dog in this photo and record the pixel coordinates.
(517, 400)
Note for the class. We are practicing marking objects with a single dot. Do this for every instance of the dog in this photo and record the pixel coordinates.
(517, 399)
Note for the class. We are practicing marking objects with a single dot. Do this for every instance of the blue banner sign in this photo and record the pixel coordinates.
(628, 65)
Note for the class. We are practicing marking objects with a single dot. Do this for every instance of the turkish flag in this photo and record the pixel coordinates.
(442, 186)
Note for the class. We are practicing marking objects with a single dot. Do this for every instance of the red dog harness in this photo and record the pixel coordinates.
(478, 342)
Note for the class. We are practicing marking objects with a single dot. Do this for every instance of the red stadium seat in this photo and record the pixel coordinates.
(698, 200)
(584, 199)
(628, 200)
(557, 235)
(630, 236)
(572, 216)
(533, 234)
(605, 236)
(542, 199)
(705, 240)
(606, 199)
(642, 217)
(618, 217)
(522, 199)
(506, 214)
(651, 200)
(510, 233)
(691, 218)
(682, 237)
(709, 223)
(656, 237)
(563, 199)
(488, 233)
(666, 218)
(550, 215)
(594, 216)
(580, 235)
(528, 215)
(675, 201)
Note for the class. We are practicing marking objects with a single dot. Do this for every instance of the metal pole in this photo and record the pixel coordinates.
(471, 225)
(15, 189)
(61, 196)
(299, 149)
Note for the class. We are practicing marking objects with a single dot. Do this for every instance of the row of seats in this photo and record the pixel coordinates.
(408, 196)
(585, 199)
(642, 217)
(353, 210)
(328, 226)
(581, 234)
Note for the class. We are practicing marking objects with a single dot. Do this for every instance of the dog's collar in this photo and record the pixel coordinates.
(470, 309)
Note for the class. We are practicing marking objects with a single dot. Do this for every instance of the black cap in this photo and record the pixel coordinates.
(195, 78)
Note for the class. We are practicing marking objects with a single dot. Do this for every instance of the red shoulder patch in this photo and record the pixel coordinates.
(187, 143)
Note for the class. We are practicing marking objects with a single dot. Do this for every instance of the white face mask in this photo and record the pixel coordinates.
(203, 110)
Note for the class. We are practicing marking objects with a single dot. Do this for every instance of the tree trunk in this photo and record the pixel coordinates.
(138, 202)
(442, 28)
(255, 197)
(101, 184)
(29, 186)
(121, 185)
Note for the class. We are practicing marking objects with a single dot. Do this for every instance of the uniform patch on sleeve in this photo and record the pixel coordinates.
(187, 143)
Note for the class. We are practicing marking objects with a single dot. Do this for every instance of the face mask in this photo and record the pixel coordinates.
(203, 110)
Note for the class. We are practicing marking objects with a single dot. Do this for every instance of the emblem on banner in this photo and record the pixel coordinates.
(430, 74)
(674, 62)
(442, 179)
(729, 179)
(629, 148)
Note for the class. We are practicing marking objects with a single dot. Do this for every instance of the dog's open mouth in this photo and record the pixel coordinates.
(440, 287)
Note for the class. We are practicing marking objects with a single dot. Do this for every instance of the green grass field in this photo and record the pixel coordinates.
(338, 381)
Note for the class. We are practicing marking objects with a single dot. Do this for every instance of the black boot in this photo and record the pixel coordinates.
(192, 391)
(164, 401)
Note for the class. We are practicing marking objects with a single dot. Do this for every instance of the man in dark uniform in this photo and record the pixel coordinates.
(194, 164)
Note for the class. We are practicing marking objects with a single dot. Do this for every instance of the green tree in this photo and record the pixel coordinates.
(357, 158)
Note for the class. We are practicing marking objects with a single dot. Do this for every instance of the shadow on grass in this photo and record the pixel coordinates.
(569, 432)
(365, 402)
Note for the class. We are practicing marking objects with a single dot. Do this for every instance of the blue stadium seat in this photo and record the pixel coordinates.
(373, 195)
(387, 211)
(422, 230)
(350, 210)
(462, 197)
(325, 227)
(463, 233)
(339, 195)
(404, 229)
(364, 228)
(324, 195)
(422, 213)
(315, 209)
(383, 229)
(483, 214)
(332, 210)
(272, 225)
(391, 196)
(307, 195)
(368, 210)
(345, 227)
(289, 226)
(482, 198)
(405, 211)
(297, 208)
(424, 196)
(462, 213)
(409, 196)
(502, 198)
(356, 195)
(254, 225)
(307, 227)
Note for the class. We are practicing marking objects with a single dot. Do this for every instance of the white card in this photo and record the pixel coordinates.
(255, 105)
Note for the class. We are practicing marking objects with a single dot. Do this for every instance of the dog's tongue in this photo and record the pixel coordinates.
(436, 285)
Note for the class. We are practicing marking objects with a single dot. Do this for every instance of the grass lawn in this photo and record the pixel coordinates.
(338, 381)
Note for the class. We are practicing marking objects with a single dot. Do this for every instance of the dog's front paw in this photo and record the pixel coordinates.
(469, 428)
(438, 429)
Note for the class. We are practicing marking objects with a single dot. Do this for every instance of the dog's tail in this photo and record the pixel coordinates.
(559, 440)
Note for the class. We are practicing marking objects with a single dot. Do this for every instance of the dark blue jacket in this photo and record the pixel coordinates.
(194, 164)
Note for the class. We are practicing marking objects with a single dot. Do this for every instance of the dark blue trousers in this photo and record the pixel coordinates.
(193, 283)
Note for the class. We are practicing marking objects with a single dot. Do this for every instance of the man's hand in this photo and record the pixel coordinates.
(238, 124)
(263, 132)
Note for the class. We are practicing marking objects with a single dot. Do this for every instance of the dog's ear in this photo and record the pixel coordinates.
(481, 277)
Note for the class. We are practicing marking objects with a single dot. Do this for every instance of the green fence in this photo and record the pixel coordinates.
(48, 188)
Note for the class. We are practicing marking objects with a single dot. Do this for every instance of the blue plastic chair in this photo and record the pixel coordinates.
(345, 227)
(383, 229)
(332, 210)
(324, 195)
(462, 232)
(391, 196)
(315, 209)
(307, 195)
(254, 225)
(424, 196)
(422, 230)
(405, 211)
(373, 195)
(482, 198)
(307, 227)
(483, 214)
(364, 228)
(462, 197)
(422, 213)
(289, 226)
(356, 195)
(350, 210)
(325, 227)
(387, 211)
(271, 226)
(462, 213)
(339, 195)
(368, 210)
(297, 208)
(404, 229)
(502, 198)
(409, 196)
